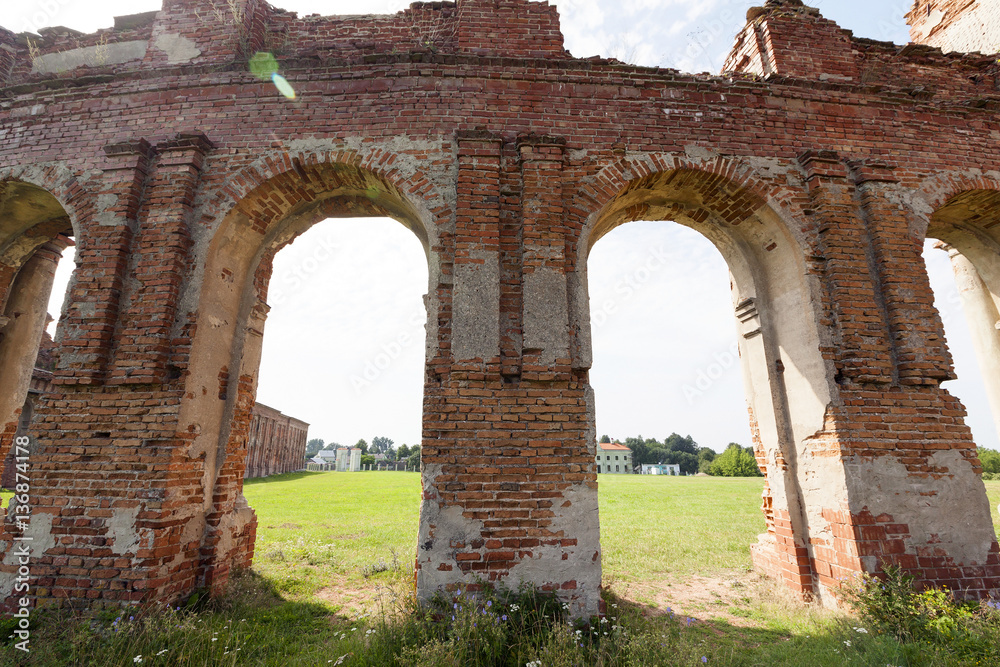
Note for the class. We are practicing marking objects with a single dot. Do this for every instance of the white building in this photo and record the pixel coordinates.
(661, 469)
(613, 458)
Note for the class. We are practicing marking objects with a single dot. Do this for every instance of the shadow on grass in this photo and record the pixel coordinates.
(252, 624)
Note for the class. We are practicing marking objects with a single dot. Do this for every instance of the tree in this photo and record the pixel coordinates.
(363, 446)
(403, 452)
(367, 460)
(677, 443)
(313, 446)
(735, 462)
(332, 445)
(381, 445)
(605, 439)
(413, 460)
(990, 459)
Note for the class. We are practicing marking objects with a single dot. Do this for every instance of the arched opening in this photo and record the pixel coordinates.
(967, 228)
(785, 377)
(226, 353)
(668, 385)
(35, 230)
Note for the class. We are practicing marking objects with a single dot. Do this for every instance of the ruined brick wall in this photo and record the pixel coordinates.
(956, 25)
(182, 174)
(277, 443)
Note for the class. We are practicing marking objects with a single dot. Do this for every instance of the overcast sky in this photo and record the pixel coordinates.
(344, 341)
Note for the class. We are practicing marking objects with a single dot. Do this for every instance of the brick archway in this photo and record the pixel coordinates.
(34, 230)
(786, 377)
(222, 381)
(966, 221)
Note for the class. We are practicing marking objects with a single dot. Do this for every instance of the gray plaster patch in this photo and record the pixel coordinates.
(179, 49)
(122, 531)
(953, 514)
(100, 55)
(476, 332)
(42, 539)
(546, 316)
(105, 217)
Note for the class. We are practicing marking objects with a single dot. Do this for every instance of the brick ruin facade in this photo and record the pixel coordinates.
(817, 164)
(276, 443)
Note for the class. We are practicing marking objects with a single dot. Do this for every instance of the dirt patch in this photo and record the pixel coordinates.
(355, 599)
(696, 597)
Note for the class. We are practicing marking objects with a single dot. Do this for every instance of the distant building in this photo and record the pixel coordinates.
(661, 469)
(342, 459)
(277, 443)
(614, 458)
(325, 459)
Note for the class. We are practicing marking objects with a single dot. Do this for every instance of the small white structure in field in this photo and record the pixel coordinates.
(661, 469)
(614, 458)
(348, 460)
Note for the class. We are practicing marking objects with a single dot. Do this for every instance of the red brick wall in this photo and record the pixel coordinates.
(182, 178)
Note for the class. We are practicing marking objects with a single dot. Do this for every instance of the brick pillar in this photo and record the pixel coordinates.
(102, 259)
(509, 486)
(145, 346)
(917, 333)
(863, 351)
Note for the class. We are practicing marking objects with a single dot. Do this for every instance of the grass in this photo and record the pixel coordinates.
(332, 581)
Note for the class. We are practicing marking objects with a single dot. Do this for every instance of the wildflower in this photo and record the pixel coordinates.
(161, 652)
(137, 659)
(489, 603)
(215, 639)
(504, 617)
(847, 643)
(861, 630)
(704, 659)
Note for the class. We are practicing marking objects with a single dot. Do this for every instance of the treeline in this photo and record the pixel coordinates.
(736, 461)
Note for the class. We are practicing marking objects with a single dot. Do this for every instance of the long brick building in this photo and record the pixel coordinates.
(817, 162)
(276, 443)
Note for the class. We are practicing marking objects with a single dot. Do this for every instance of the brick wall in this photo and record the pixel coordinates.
(182, 174)
(277, 443)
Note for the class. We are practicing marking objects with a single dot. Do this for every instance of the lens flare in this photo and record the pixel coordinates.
(285, 88)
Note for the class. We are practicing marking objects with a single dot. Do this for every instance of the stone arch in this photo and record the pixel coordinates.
(962, 211)
(270, 208)
(788, 381)
(39, 212)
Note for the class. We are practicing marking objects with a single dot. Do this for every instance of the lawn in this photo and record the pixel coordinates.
(333, 573)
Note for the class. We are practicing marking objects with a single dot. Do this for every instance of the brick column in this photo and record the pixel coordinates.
(863, 352)
(546, 300)
(476, 292)
(102, 263)
(145, 344)
(917, 333)
(509, 489)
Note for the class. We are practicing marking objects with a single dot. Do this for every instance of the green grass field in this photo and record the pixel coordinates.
(333, 571)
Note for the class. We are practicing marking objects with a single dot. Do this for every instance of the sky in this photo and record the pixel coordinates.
(343, 345)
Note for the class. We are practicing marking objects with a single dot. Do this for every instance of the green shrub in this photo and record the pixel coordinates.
(891, 605)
